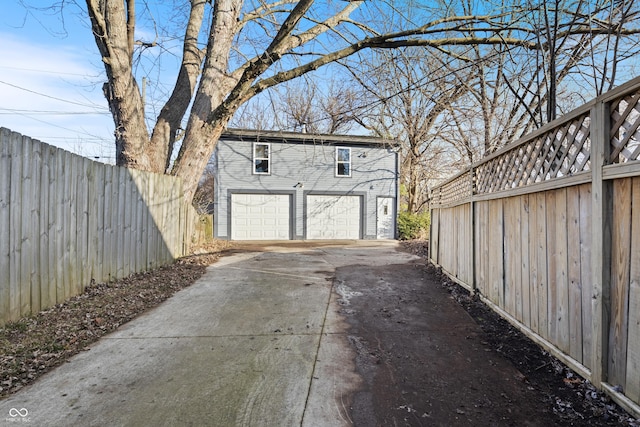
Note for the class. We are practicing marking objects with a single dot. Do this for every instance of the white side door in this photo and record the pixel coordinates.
(385, 218)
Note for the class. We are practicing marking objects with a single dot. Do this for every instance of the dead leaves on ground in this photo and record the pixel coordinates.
(33, 345)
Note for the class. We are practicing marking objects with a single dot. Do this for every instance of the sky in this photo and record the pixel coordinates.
(51, 76)
(51, 81)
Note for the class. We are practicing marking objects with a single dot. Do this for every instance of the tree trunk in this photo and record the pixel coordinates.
(209, 117)
(197, 148)
(169, 120)
(111, 29)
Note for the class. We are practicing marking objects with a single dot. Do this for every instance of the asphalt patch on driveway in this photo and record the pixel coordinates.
(425, 361)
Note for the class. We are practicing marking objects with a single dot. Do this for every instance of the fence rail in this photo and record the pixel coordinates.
(554, 223)
(67, 221)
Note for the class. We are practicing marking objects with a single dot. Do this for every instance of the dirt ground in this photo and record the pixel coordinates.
(545, 392)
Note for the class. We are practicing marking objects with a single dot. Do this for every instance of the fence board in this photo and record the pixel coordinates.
(72, 285)
(45, 189)
(159, 214)
(5, 215)
(543, 272)
(101, 215)
(36, 232)
(513, 256)
(453, 230)
(534, 272)
(150, 189)
(574, 276)
(143, 218)
(496, 243)
(15, 239)
(120, 220)
(586, 220)
(59, 237)
(54, 223)
(135, 225)
(148, 223)
(621, 245)
(552, 265)
(171, 222)
(433, 236)
(111, 208)
(82, 216)
(151, 222)
(468, 244)
(562, 276)
(128, 245)
(481, 213)
(141, 253)
(443, 249)
(26, 244)
(174, 215)
(463, 243)
(632, 380)
(525, 263)
(62, 234)
(166, 216)
(95, 211)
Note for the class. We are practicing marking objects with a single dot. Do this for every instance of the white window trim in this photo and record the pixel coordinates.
(338, 162)
(254, 158)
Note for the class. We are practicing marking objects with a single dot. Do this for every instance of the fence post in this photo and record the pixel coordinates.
(432, 244)
(472, 227)
(602, 213)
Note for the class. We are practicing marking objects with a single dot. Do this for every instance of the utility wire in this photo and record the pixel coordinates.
(53, 97)
(76, 131)
(14, 111)
(57, 73)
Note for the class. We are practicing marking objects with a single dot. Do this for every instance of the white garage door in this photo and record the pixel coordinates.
(260, 217)
(333, 217)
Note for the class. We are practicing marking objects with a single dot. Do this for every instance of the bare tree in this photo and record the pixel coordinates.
(609, 51)
(233, 50)
(298, 106)
(518, 90)
(341, 107)
(260, 113)
(331, 109)
(409, 91)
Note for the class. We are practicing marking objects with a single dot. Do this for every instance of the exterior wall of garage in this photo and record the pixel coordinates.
(303, 165)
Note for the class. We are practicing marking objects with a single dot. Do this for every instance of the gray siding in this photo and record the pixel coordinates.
(373, 174)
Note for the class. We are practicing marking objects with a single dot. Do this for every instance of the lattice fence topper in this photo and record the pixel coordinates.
(561, 151)
(625, 137)
(453, 191)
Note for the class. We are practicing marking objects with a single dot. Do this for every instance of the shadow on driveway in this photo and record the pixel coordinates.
(310, 333)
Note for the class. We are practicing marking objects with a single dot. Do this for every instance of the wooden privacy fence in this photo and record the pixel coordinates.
(67, 221)
(547, 231)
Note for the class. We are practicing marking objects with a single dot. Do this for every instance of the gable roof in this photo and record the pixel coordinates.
(306, 138)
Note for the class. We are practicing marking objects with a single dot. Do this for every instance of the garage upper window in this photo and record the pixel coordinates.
(343, 161)
(261, 158)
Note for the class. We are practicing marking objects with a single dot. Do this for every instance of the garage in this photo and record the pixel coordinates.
(333, 217)
(260, 217)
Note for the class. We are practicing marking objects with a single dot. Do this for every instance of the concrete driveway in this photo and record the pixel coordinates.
(257, 341)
